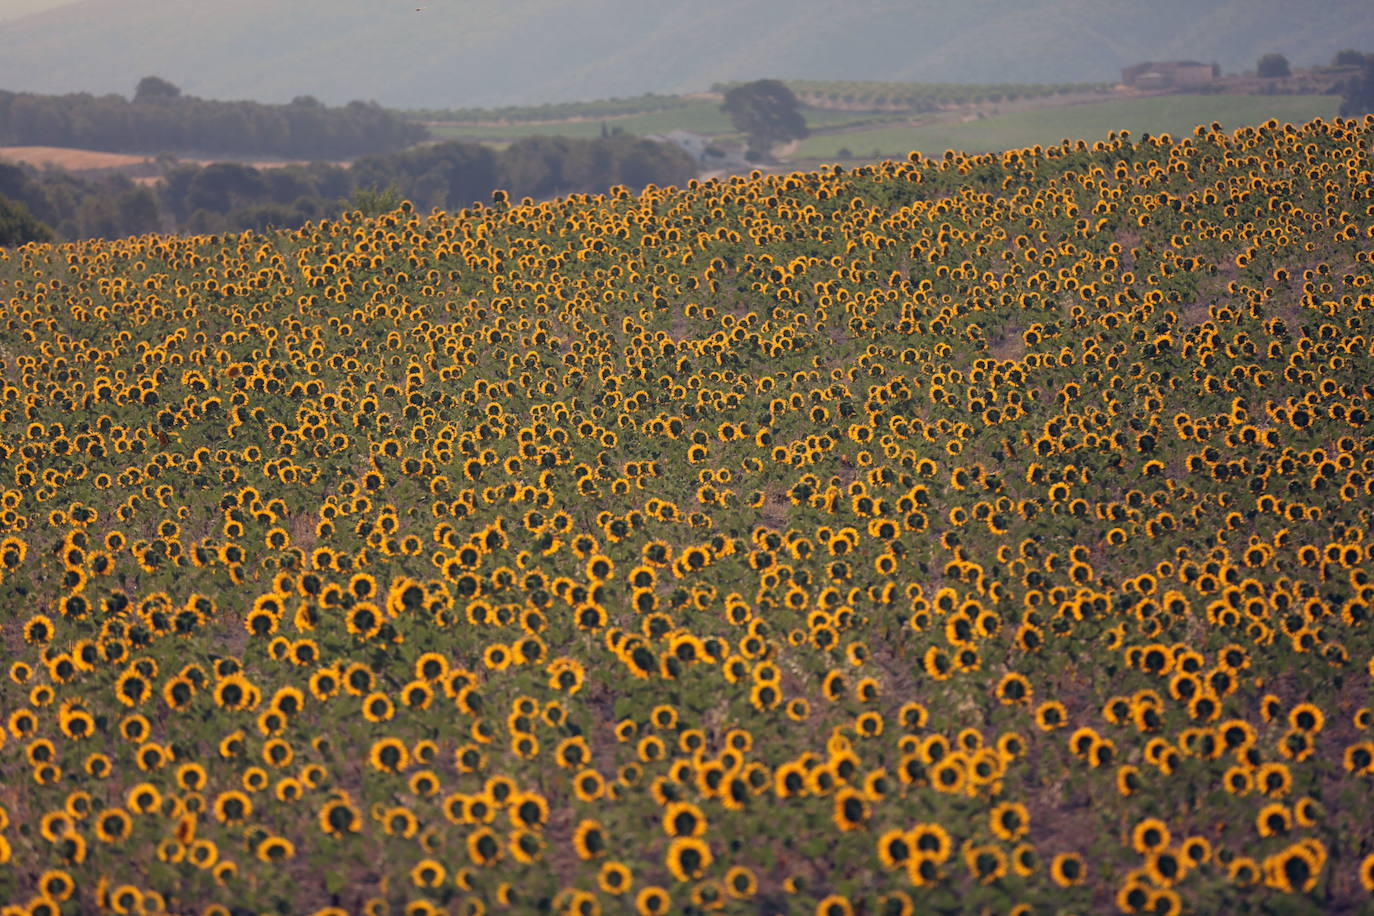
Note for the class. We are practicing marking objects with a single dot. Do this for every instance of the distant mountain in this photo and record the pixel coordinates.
(459, 53)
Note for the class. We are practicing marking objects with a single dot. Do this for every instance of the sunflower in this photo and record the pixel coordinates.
(338, 817)
(614, 878)
(589, 785)
(652, 901)
(1359, 758)
(894, 848)
(1366, 873)
(572, 752)
(1009, 821)
(1149, 835)
(112, 825)
(1243, 871)
(1306, 718)
(275, 849)
(232, 807)
(834, 905)
(1273, 779)
(1050, 715)
(377, 707)
(427, 873)
(56, 884)
(325, 683)
(850, 810)
(687, 858)
(1165, 867)
(483, 847)
(143, 798)
(1067, 869)
(683, 819)
(1013, 689)
(932, 841)
(528, 810)
(364, 620)
(525, 846)
(1273, 819)
(1196, 850)
(589, 839)
(1295, 869)
(986, 862)
(389, 755)
(949, 774)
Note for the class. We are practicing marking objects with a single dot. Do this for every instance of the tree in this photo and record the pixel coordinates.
(1348, 57)
(374, 201)
(1358, 97)
(155, 89)
(766, 110)
(18, 226)
(1272, 65)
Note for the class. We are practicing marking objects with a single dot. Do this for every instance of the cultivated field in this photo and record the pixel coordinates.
(977, 534)
(1172, 114)
(76, 160)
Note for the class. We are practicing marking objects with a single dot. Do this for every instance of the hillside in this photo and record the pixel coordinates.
(1172, 114)
(990, 533)
(483, 52)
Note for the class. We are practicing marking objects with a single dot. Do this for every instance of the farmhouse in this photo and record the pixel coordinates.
(1172, 74)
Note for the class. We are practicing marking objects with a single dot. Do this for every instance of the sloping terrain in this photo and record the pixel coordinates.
(989, 532)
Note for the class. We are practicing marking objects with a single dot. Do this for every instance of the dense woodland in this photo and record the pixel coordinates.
(161, 119)
(228, 197)
(1358, 92)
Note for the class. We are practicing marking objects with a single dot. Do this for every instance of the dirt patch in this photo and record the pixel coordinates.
(140, 165)
(1008, 346)
(75, 160)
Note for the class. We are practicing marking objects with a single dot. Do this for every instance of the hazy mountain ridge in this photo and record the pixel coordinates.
(493, 52)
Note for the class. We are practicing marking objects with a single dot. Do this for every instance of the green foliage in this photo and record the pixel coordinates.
(231, 197)
(82, 207)
(161, 119)
(155, 89)
(766, 110)
(373, 201)
(1273, 65)
(1358, 98)
(1348, 57)
(18, 225)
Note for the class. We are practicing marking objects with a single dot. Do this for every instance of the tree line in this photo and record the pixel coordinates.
(1357, 97)
(231, 197)
(552, 111)
(160, 118)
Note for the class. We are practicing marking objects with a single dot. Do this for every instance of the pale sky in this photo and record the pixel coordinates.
(13, 9)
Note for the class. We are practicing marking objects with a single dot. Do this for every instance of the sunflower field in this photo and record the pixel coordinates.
(973, 534)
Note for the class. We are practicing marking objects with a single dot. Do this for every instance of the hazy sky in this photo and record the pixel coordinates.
(465, 53)
(12, 9)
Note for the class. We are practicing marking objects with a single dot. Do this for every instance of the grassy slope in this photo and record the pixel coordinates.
(1173, 114)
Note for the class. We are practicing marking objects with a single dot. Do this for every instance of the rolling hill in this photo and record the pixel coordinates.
(961, 535)
(484, 52)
